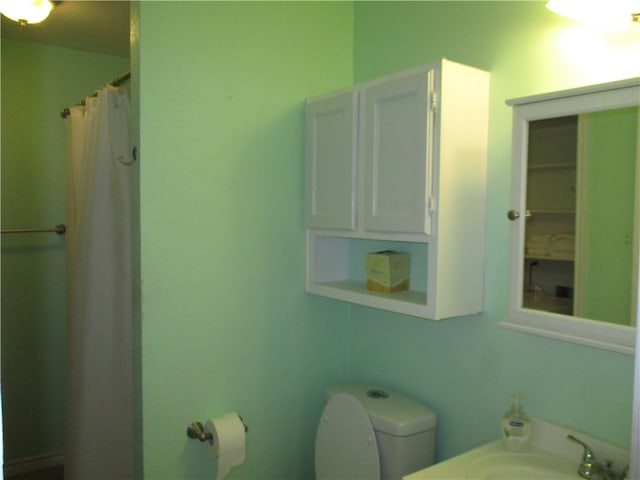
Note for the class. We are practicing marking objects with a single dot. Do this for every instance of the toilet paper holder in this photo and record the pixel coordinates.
(196, 431)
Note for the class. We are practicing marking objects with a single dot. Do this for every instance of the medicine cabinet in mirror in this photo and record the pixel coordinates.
(574, 215)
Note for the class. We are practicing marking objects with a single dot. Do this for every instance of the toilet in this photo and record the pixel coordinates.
(368, 433)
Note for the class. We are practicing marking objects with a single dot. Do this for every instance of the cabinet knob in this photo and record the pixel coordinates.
(513, 214)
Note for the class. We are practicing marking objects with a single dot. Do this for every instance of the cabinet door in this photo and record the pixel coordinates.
(331, 161)
(397, 153)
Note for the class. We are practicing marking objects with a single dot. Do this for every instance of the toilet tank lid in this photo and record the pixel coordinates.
(390, 412)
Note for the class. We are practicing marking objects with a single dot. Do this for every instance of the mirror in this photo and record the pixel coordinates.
(574, 230)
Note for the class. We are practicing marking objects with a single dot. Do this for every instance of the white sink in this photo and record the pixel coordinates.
(551, 457)
(494, 462)
(521, 466)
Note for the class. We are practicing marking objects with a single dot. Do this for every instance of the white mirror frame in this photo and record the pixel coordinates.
(614, 95)
(634, 453)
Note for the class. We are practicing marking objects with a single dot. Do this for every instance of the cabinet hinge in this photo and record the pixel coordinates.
(434, 102)
(431, 205)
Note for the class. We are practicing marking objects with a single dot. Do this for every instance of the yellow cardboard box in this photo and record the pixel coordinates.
(387, 271)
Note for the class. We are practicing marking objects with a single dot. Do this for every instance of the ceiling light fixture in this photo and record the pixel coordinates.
(607, 14)
(26, 11)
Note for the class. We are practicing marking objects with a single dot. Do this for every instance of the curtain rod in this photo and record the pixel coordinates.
(59, 229)
(64, 113)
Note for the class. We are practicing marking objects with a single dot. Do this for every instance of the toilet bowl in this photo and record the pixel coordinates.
(367, 432)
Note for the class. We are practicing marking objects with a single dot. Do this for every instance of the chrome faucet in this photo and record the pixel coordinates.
(592, 469)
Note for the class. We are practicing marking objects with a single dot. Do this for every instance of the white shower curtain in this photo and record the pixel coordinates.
(99, 410)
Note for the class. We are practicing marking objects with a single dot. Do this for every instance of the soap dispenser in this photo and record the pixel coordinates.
(516, 427)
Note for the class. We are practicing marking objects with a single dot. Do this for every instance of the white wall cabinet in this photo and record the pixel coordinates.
(399, 163)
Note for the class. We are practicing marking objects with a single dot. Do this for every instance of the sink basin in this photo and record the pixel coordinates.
(551, 457)
(493, 461)
(521, 466)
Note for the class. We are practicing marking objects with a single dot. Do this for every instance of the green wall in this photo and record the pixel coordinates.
(226, 323)
(466, 368)
(37, 81)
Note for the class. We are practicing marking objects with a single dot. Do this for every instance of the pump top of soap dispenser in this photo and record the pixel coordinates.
(517, 402)
(516, 410)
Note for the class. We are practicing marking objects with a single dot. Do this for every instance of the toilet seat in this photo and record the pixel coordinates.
(346, 446)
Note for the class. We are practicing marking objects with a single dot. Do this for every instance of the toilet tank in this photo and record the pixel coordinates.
(405, 428)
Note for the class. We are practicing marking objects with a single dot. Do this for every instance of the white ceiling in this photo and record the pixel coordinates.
(95, 26)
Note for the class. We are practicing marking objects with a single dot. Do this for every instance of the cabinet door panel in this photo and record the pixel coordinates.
(397, 151)
(331, 161)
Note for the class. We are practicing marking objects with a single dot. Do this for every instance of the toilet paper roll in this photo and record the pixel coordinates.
(228, 442)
